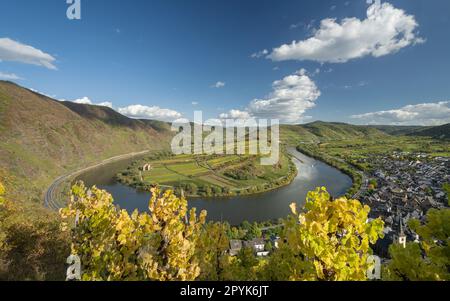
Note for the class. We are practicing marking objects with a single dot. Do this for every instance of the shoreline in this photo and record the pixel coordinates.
(50, 199)
(358, 190)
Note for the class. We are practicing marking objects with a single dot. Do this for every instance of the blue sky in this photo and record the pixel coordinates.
(164, 59)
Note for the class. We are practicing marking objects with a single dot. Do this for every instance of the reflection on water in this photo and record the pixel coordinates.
(261, 207)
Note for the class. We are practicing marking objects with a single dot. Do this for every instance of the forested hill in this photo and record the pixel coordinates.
(325, 131)
(320, 131)
(438, 132)
(42, 138)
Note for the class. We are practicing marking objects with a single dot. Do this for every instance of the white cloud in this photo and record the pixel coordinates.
(181, 121)
(106, 104)
(260, 54)
(11, 50)
(146, 112)
(218, 85)
(195, 103)
(288, 101)
(87, 101)
(419, 114)
(386, 30)
(9, 76)
(84, 100)
(235, 114)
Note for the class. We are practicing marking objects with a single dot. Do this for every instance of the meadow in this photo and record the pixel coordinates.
(209, 175)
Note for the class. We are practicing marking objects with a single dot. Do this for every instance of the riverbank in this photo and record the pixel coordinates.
(358, 177)
(57, 193)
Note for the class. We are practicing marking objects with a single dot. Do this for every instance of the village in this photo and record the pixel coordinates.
(405, 186)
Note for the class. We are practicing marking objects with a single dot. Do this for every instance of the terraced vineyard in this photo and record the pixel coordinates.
(209, 175)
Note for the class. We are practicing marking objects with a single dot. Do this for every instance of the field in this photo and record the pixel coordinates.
(209, 175)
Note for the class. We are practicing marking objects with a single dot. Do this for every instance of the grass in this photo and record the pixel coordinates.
(210, 175)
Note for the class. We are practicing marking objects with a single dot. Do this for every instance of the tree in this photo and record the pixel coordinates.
(2, 192)
(212, 251)
(427, 260)
(253, 231)
(446, 188)
(328, 241)
(113, 245)
(192, 188)
(32, 247)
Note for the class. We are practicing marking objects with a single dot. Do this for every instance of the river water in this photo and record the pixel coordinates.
(260, 207)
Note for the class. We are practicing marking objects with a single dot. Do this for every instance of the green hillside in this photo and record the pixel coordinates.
(326, 131)
(42, 139)
(438, 132)
(397, 130)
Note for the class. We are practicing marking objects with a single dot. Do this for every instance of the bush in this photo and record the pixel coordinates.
(32, 247)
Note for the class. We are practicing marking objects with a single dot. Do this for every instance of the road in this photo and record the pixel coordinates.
(364, 186)
(51, 193)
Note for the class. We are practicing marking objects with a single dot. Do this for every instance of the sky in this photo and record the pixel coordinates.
(296, 61)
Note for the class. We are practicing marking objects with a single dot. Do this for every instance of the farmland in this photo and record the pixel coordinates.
(209, 175)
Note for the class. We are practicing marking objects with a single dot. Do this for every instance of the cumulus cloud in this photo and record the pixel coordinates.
(421, 114)
(84, 100)
(288, 101)
(106, 104)
(11, 50)
(146, 112)
(386, 30)
(235, 114)
(260, 54)
(136, 111)
(87, 101)
(218, 85)
(9, 76)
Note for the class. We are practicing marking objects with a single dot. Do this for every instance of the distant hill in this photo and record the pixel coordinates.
(42, 138)
(397, 130)
(325, 131)
(437, 132)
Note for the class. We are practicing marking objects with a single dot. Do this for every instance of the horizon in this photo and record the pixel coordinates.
(223, 120)
(298, 62)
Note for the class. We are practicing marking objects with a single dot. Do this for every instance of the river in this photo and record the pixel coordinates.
(260, 207)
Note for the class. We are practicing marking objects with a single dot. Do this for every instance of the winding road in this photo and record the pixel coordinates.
(50, 199)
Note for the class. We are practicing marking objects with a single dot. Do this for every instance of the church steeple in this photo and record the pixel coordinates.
(402, 236)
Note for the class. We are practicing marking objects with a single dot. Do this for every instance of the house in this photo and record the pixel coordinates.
(256, 244)
(235, 247)
(146, 167)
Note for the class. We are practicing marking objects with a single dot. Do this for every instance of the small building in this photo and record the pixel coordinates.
(256, 244)
(235, 247)
(146, 167)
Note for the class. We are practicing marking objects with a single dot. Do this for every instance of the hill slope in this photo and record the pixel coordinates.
(325, 131)
(438, 132)
(42, 138)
